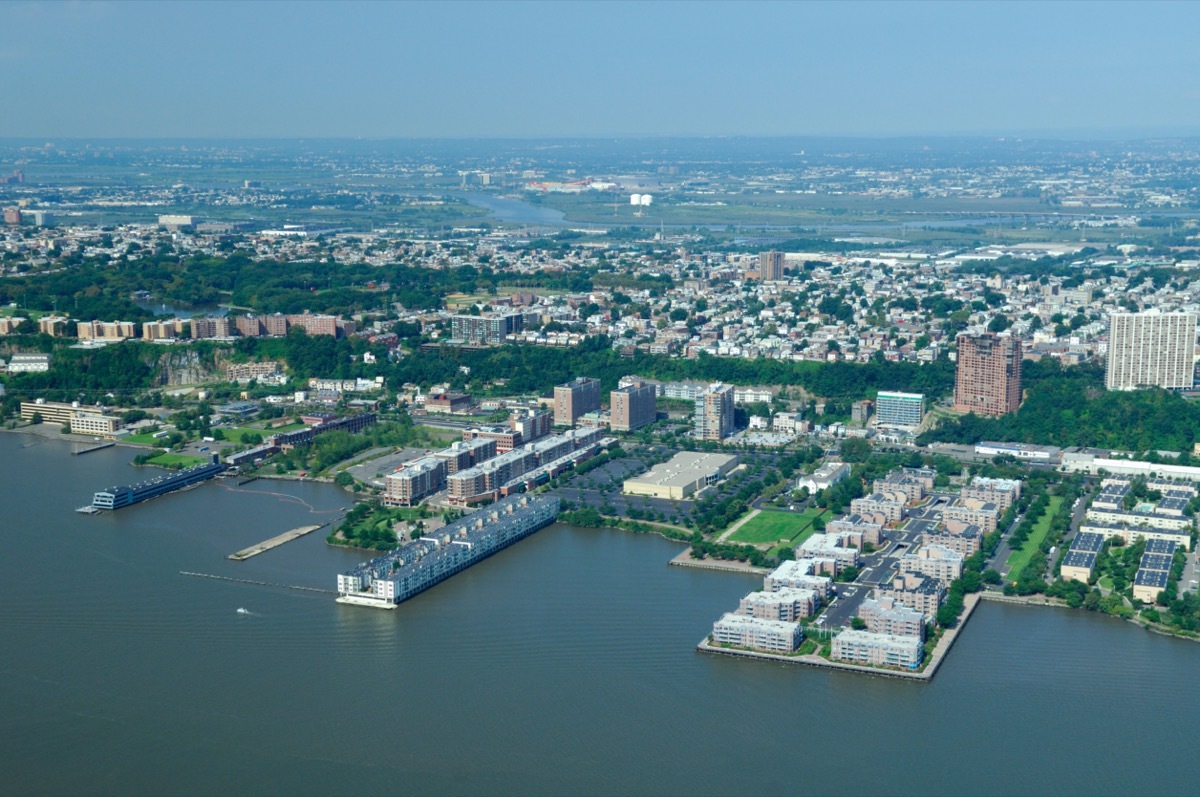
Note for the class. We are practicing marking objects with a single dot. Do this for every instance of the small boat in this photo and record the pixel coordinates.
(242, 610)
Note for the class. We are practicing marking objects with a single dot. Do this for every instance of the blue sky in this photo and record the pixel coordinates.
(464, 69)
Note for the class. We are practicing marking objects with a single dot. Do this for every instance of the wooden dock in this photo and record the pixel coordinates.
(274, 542)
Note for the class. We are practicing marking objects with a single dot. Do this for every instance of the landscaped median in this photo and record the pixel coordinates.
(1017, 560)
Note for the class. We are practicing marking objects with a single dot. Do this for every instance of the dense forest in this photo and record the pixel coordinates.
(1070, 407)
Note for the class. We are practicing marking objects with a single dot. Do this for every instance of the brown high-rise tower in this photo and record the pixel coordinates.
(988, 381)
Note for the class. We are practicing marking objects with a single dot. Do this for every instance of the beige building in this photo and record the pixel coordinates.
(714, 413)
(1001, 492)
(414, 481)
(963, 538)
(788, 604)
(1078, 565)
(828, 546)
(878, 650)
(769, 636)
(162, 330)
(53, 325)
(915, 590)
(82, 418)
(856, 530)
(882, 508)
(798, 575)
(106, 330)
(681, 476)
(889, 616)
(935, 561)
(974, 511)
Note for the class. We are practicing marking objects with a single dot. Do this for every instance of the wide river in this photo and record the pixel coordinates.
(563, 665)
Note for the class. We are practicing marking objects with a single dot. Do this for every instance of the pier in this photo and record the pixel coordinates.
(274, 542)
(90, 449)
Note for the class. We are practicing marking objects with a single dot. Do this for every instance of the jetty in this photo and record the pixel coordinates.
(274, 542)
(90, 449)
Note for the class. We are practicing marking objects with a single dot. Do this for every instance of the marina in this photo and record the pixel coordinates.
(274, 542)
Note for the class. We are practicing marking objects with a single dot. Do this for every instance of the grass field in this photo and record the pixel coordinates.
(175, 460)
(147, 439)
(769, 526)
(234, 435)
(1018, 559)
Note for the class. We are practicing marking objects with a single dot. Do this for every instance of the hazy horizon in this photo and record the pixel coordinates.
(527, 70)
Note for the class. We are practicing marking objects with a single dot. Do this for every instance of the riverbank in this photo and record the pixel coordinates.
(925, 674)
(1042, 600)
(685, 559)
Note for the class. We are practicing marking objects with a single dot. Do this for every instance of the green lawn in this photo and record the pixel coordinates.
(147, 439)
(770, 526)
(172, 460)
(234, 435)
(1018, 559)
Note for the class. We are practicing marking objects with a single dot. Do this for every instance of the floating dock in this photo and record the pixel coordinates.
(274, 542)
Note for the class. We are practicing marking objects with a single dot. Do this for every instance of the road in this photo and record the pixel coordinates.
(880, 566)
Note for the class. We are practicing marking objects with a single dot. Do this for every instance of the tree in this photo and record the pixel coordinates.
(857, 623)
(855, 449)
(36, 418)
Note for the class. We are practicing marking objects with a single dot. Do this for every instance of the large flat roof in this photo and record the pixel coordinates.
(683, 469)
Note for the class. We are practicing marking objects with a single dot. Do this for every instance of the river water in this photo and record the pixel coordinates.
(562, 665)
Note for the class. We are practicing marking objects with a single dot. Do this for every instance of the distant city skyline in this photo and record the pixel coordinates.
(530, 69)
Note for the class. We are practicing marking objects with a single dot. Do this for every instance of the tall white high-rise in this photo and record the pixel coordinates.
(1150, 349)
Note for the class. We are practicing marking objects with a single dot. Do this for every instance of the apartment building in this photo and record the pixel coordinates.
(787, 604)
(206, 327)
(575, 398)
(962, 538)
(106, 330)
(896, 410)
(878, 650)
(714, 413)
(974, 511)
(414, 481)
(935, 561)
(988, 374)
(1001, 492)
(1150, 349)
(882, 508)
(464, 454)
(632, 407)
(489, 329)
(755, 633)
(828, 546)
(800, 574)
(917, 591)
(889, 616)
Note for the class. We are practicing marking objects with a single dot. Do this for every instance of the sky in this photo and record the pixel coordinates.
(545, 69)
